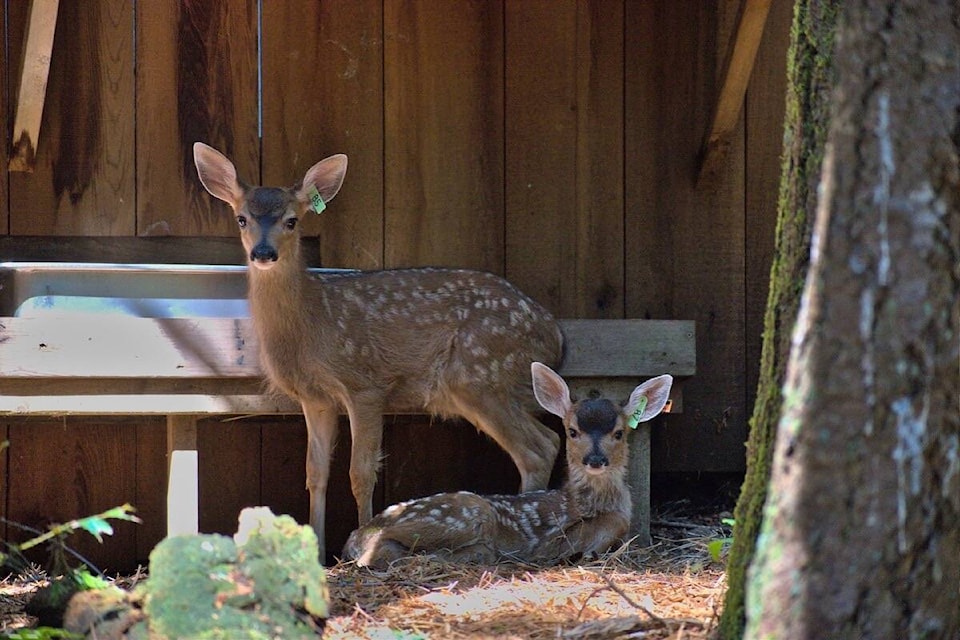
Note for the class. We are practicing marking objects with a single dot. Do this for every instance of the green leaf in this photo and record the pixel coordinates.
(715, 547)
(88, 581)
(96, 526)
(123, 512)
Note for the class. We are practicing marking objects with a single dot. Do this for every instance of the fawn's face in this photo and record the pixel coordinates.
(596, 427)
(268, 219)
(596, 439)
(268, 216)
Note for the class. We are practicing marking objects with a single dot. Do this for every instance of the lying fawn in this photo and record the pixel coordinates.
(588, 515)
(447, 342)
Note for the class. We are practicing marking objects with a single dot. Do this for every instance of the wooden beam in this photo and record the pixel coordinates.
(114, 348)
(183, 476)
(736, 77)
(628, 348)
(33, 83)
(102, 364)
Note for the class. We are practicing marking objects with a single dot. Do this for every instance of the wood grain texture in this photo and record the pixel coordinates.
(5, 485)
(4, 120)
(32, 88)
(60, 470)
(196, 80)
(151, 473)
(191, 355)
(229, 472)
(121, 347)
(469, 461)
(323, 94)
(690, 265)
(283, 478)
(83, 179)
(564, 150)
(738, 68)
(443, 154)
(764, 122)
(628, 348)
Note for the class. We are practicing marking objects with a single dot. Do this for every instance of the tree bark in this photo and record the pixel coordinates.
(860, 537)
(810, 80)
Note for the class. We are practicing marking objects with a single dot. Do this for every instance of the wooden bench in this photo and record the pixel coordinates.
(189, 368)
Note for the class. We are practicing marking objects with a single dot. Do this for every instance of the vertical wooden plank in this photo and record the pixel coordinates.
(283, 478)
(764, 121)
(600, 238)
(687, 247)
(229, 472)
(541, 149)
(323, 94)
(564, 184)
(4, 120)
(196, 80)
(151, 479)
(443, 153)
(61, 470)
(83, 179)
(4, 476)
(649, 267)
(448, 455)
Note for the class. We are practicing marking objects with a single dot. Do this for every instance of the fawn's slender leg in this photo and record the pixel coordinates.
(366, 431)
(321, 439)
(532, 445)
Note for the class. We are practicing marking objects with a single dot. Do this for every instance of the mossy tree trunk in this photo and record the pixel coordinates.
(810, 80)
(859, 536)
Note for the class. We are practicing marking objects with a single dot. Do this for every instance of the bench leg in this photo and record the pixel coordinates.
(638, 477)
(183, 493)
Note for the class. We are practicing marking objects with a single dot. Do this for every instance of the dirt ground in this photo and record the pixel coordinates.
(673, 589)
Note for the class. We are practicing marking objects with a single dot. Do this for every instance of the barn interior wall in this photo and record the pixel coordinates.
(555, 142)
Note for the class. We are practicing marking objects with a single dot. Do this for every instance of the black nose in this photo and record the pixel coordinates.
(263, 254)
(595, 460)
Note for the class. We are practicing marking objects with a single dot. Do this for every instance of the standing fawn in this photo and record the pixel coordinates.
(588, 515)
(449, 342)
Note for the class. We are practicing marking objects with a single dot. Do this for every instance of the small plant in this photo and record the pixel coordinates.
(718, 547)
(96, 525)
(65, 580)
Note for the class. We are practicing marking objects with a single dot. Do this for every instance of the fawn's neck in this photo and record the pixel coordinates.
(277, 295)
(590, 494)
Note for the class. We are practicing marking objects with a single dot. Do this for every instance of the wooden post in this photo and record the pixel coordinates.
(638, 478)
(33, 83)
(183, 479)
(743, 53)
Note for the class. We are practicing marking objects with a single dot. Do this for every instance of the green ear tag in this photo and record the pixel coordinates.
(315, 200)
(634, 420)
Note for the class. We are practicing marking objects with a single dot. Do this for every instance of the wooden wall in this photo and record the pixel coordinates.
(552, 141)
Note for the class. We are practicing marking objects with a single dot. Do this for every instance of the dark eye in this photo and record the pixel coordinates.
(618, 435)
(574, 434)
(290, 223)
(242, 221)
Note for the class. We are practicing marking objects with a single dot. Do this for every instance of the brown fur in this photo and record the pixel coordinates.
(449, 342)
(587, 516)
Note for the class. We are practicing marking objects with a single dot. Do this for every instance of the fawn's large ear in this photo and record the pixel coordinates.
(326, 177)
(648, 399)
(217, 174)
(550, 390)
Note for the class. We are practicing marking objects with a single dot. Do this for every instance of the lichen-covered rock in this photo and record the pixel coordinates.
(266, 583)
